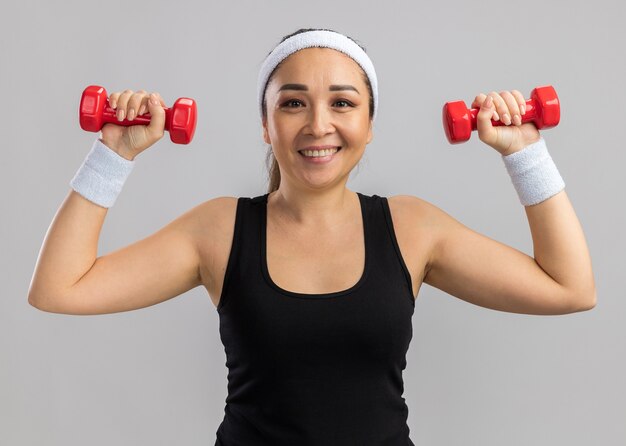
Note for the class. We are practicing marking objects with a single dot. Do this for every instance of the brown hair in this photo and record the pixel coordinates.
(270, 160)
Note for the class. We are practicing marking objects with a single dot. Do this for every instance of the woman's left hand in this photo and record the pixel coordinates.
(508, 107)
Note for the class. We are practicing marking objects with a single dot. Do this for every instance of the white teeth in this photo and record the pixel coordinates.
(316, 153)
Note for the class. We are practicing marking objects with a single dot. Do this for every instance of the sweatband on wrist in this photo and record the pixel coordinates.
(101, 176)
(534, 173)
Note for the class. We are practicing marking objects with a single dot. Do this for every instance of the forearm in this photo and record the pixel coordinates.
(69, 248)
(559, 246)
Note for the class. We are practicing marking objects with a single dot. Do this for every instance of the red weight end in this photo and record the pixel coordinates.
(183, 121)
(92, 103)
(457, 122)
(548, 107)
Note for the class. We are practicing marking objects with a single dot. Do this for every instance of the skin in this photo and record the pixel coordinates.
(193, 249)
(316, 196)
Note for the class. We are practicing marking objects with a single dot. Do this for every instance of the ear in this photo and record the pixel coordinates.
(370, 135)
(266, 136)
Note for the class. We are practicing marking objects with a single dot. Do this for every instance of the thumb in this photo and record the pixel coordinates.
(156, 128)
(486, 132)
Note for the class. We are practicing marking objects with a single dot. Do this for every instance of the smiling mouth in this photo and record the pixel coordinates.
(319, 153)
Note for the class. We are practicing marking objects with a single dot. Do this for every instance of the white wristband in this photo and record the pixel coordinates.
(534, 173)
(101, 176)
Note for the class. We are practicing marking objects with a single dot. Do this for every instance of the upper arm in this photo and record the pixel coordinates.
(485, 272)
(149, 271)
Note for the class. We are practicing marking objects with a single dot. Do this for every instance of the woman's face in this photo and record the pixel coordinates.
(323, 108)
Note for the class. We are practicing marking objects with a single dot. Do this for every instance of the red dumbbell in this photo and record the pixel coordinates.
(95, 111)
(542, 109)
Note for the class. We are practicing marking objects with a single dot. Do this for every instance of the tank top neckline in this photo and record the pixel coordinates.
(271, 283)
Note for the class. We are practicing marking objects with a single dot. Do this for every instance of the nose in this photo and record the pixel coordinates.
(319, 121)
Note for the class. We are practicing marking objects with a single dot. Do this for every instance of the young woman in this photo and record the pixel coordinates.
(315, 284)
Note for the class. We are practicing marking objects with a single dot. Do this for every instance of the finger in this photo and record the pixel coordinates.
(486, 132)
(121, 104)
(513, 106)
(113, 99)
(157, 117)
(134, 102)
(501, 107)
(478, 102)
(144, 105)
(498, 105)
(161, 101)
(521, 102)
(143, 108)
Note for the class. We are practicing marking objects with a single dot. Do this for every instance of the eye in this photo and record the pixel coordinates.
(349, 104)
(340, 101)
(291, 101)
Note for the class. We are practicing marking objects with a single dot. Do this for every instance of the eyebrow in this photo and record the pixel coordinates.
(302, 87)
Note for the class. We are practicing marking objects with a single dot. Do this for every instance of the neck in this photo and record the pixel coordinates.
(313, 208)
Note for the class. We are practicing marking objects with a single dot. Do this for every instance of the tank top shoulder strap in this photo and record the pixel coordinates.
(385, 240)
(245, 237)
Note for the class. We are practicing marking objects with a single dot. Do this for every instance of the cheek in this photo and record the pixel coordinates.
(274, 131)
(355, 133)
(286, 131)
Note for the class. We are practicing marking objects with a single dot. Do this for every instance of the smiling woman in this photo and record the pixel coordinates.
(315, 284)
(325, 107)
(320, 356)
(266, 78)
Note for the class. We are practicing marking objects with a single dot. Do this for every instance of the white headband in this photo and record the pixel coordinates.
(325, 39)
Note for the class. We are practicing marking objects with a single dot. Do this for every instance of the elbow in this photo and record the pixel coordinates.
(586, 302)
(591, 302)
(34, 302)
(34, 296)
(38, 303)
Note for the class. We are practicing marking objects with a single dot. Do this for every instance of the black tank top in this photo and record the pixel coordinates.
(315, 369)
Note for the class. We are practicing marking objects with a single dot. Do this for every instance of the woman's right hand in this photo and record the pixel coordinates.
(130, 141)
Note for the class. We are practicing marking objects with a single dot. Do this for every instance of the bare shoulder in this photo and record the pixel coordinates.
(214, 231)
(422, 220)
(202, 221)
(215, 214)
(415, 212)
(417, 225)
(214, 222)
(423, 216)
